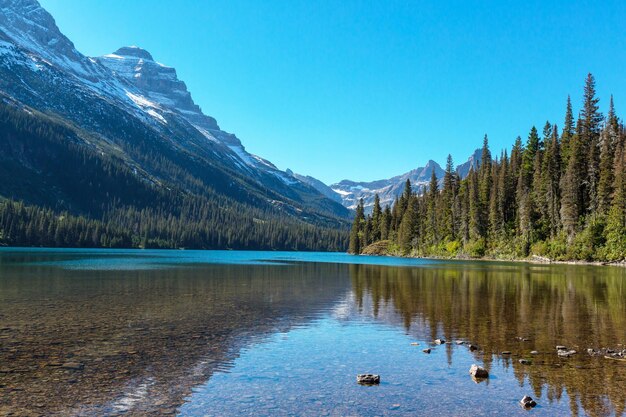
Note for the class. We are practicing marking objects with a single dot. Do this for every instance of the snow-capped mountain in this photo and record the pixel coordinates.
(387, 189)
(350, 192)
(133, 108)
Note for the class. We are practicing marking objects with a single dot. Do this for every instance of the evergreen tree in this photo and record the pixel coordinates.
(568, 132)
(377, 212)
(406, 233)
(356, 233)
(616, 222)
(551, 184)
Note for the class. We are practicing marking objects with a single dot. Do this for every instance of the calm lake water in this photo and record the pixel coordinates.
(203, 333)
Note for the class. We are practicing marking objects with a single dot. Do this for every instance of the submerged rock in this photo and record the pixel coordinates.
(527, 402)
(478, 372)
(566, 353)
(368, 379)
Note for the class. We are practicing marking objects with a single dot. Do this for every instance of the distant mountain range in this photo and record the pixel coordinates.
(349, 192)
(128, 108)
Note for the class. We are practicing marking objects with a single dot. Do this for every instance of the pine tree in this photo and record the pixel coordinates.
(533, 145)
(572, 186)
(431, 210)
(568, 133)
(476, 218)
(357, 230)
(406, 233)
(590, 125)
(375, 234)
(450, 215)
(495, 214)
(551, 183)
(608, 140)
(615, 248)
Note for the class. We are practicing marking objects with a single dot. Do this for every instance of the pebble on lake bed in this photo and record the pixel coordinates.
(478, 372)
(368, 379)
(527, 402)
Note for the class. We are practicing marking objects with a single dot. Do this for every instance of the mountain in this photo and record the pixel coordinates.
(127, 114)
(472, 162)
(318, 185)
(351, 192)
(387, 189)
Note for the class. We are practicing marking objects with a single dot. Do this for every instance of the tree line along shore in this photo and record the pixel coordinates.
(559, 196)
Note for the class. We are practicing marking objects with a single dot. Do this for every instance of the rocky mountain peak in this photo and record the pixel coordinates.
(160, 84)
(134, 51)
(28, 25)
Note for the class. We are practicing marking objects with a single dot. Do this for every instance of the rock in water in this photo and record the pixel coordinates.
(368, 379)
(566, 353)
(527, 402)
(478, 372)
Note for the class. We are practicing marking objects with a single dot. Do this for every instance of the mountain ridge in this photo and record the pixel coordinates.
(350, 192)
(105, 97)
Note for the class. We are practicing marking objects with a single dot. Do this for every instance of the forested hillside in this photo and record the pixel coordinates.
(77, 196)
(561, 195)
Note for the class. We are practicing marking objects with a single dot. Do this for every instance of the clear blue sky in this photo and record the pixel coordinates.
(369, 89)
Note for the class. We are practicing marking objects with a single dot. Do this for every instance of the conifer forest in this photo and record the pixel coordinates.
(559, 194)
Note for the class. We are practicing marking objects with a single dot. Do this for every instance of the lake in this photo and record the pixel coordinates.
(221, 333)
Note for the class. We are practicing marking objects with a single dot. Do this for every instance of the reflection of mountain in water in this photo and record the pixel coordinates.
(145, 338)
(492, 304)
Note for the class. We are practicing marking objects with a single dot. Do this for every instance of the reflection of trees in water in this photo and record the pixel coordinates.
(492, 304)
(144, 336)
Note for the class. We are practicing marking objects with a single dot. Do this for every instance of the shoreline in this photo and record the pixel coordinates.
(537, 260)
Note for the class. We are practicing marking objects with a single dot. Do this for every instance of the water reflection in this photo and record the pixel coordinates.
(141, 338)
(494, 305)
(282, 339)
